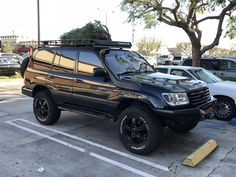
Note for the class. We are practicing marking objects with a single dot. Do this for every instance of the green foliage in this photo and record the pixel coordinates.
(231, 27)
(8, 48)
(185, 48)
(148, 46)
(90, 31)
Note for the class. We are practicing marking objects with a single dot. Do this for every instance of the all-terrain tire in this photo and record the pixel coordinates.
(183, 128)
(23, 66)
(139, 130)
(45, 109)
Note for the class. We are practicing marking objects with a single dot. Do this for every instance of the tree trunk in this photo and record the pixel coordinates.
(196, 55)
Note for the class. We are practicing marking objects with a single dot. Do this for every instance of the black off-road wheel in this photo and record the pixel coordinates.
(45, 110)
(23, 66)
(224, 109)
(139, 131)
(183, 128)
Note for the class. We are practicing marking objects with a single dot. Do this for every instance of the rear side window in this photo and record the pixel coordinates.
(187, 63)
(87, 62)
(43, 59)
(226, 65)
(179, 72)
(162, 70)
(65, 59)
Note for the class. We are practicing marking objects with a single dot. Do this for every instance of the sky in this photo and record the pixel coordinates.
(60, 16)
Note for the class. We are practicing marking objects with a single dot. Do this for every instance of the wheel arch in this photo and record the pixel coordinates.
(223, 96)
(127, 103)
(38, 89)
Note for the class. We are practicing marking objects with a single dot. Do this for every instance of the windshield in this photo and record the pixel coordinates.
(122, 62)
(204, 75)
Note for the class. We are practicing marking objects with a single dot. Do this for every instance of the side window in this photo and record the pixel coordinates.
(87, 62)
(178, 72)
(56, 60)
(210, 64)
(162, 70)
(43, 59)
(232, 66)
(187, 63)
(227, 65)
(66, 60)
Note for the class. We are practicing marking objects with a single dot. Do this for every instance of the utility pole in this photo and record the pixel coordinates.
(133, 30)
(38, 23)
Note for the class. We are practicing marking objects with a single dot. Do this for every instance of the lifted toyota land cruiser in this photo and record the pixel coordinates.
(100, 78)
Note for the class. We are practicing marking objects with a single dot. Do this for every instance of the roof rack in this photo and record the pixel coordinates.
(86, 43)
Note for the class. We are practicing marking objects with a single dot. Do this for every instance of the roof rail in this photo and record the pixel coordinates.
(97, 43)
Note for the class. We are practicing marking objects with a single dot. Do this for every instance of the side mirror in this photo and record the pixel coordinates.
(99, 72)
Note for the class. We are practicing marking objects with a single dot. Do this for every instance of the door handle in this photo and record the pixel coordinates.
(78, 80)
(50, 77)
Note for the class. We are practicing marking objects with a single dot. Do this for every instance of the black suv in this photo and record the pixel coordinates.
(100, 78)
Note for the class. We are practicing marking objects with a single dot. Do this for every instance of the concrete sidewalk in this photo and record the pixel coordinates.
(11, 82)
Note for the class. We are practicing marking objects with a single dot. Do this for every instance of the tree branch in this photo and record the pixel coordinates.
(219, 28)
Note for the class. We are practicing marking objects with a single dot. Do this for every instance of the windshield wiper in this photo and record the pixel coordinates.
(127, 72)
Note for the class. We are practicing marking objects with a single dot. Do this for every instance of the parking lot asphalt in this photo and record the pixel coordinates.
(85, 146)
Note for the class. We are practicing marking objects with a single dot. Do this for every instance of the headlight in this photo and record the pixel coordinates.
(175, 99)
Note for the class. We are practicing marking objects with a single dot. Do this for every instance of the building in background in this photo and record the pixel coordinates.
(20, 44)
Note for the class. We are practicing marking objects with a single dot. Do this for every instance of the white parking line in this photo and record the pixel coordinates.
(99, 146)
(92, 154)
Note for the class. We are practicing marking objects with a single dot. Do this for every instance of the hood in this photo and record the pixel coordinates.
(225, 85)
(166, 81)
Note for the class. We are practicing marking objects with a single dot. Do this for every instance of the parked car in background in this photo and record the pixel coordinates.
(8, 66)
(164, 59)
(224, 91)
(178, 59)
(224, 68)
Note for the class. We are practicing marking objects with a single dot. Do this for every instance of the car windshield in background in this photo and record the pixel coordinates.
(204, 75)
(126, 62)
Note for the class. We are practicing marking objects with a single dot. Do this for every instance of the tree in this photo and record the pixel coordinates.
(185, 14)
(231, 28)
(218, 52)
(185, 48)
(8, 48)
(91, 30)
(148, 46)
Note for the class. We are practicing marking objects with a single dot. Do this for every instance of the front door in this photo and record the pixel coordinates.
(90, 91)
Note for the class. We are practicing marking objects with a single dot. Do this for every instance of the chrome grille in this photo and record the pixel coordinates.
(199, 97)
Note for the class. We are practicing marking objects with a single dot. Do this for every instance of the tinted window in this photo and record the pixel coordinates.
(65, 60)
(226, 65)
(162, 70)
(179, 72)
(187, 63)
(43, 59)
(87, 62)
(207, 65)
(56, 59)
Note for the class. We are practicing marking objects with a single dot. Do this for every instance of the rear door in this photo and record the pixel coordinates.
(62, 74)
(90, 91)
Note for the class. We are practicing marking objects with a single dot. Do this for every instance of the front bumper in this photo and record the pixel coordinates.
(183, 116)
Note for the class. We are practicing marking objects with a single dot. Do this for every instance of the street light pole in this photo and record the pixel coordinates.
(106, 14)
(38, 23)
